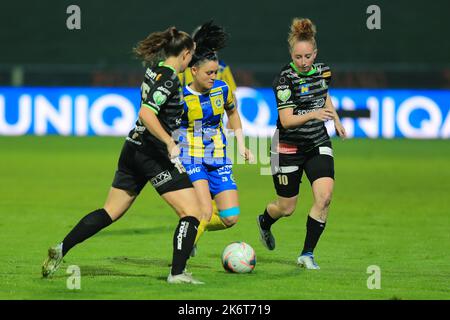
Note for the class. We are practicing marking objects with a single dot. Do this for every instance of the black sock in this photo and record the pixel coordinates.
(86, 228)
(314, 229)
(183, 241)
(266, 221)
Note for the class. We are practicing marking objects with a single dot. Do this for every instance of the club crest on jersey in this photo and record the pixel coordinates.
(159, 97)
(284, 95)
(304, 88)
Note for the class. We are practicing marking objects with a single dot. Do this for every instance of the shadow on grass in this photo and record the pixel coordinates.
(102, 271)
(149, 262)
(137, 231)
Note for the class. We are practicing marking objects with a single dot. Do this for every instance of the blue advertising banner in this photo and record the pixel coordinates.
(113, 111)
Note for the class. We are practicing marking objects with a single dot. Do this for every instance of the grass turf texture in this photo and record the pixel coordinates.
(390, 208)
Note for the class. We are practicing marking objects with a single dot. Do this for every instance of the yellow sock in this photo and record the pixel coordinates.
(201, 229)
(215, 223)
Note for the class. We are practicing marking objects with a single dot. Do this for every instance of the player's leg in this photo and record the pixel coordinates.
(320, 172)
(116, 205)
(175, 187)
(286, 179)
(203, 194)
(187, 207)
(126, 186)
(228, 209)
(226, 202)
(199, 178)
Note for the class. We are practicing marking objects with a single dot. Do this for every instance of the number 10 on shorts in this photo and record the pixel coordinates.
(283, 179)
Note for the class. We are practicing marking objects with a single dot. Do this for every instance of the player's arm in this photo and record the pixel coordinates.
(286, 104)
(340, 130)
(234, 122)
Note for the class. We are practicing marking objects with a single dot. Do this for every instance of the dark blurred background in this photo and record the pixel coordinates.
(411, 50)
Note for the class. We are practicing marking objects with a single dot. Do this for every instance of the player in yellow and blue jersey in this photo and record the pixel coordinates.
(202, 140)
(224, 73)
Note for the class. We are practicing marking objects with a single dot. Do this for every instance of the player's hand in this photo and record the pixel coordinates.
(247, 155)
(173, 150)
(323, 114)
(340, 130)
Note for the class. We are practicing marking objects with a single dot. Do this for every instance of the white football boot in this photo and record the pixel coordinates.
(307, 261)
(54, 259)
(184, 277)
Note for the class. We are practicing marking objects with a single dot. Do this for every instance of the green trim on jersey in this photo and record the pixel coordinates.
(310, 72)
(161, 64)
(151, 108)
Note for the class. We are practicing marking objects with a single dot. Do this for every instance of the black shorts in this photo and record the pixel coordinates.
(288, 165)
(135, 169)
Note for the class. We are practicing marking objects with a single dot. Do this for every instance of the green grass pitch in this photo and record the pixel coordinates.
(390, 208)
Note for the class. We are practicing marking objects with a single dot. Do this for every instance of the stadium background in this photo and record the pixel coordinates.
(56, 82)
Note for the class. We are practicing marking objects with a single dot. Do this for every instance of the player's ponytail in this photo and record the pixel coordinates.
(302, 29)
(160, 45)
(209, 38)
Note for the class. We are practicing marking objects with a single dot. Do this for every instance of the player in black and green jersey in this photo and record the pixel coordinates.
(301, 142)
(150, 154)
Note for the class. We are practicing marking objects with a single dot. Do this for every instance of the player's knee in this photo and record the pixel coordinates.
(230, 221)
(207, 212)
(287, 209)
(323, 200)
(229, 216)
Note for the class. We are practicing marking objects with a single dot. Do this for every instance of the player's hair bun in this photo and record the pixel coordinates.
(209, 38)
(302, 29)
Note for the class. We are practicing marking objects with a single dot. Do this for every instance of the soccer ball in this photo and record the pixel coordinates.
(239, 257)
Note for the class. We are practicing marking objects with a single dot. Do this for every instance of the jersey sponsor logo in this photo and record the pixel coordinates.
(319, 103)
(161, 178)
(193, 170)
(282, 87)
(151, 74)
(168, 84)
(326, 74)
(163, 89)
(284, 95)
(133, 141)
(159, 98)
(286, 148)
(213, 94)
(300, 112)
(225, 170)
(184, 225)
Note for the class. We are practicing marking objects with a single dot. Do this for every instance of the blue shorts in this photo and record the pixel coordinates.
(219, 178)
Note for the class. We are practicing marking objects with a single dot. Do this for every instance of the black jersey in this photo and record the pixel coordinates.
(304, 92)
(161, 92)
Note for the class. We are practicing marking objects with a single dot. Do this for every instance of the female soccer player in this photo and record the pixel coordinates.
(150, 154)
(202, 140)
(301, 142)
